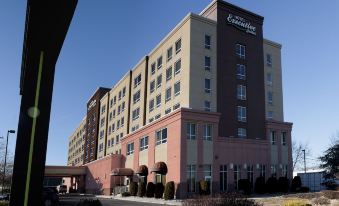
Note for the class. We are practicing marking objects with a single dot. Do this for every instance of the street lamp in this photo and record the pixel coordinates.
(3, 178)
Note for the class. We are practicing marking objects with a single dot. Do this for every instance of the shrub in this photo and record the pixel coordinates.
(331, 194)
(229, 199)
(304, 189)
(272, 185)
(296, 203)
(133, 188)
(259, 186)
(158, 190)
(321, 201)
(204, 187)
(125, 194)
(283, 184)
(169, 191)
(150, 189)
(296, 184)
(245, 186)
(141, 189)
(89, 202)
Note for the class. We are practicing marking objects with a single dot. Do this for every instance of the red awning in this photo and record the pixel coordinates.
(160, 168)
(142, 170)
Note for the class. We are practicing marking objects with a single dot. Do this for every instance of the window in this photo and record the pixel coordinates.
(119, 95)
(143, 143)
(236, 170)
(113, 113)
(268, 60)
(168, 94)
(241, 71)
(124, 91)
(157, 116)
(102, 133)
(241, 92)
(122, 121)
(118, 124)
(250, 174)
(269, 79)
(242, 133)
(135, 113)
(176, 106)
(191, 175)
(161, 136)
(207, 85)
(168, 73)
(158, 100)
(159, 62)
(207, 170)
(113, 127)
(283, 138)
(270, 115)
(110, 116)
(123, 106)
(137, 80)
(240, 51)
(136, 97)
(169, 53)
(176, 88)
(273, 137)
(103, 109)
(130, 148)
(207, 106)
(117, 139)
(153, 68)
(241, 114)
(178, 46)
(119, 109)
(151, 105)
(177, 67)
(102, 122)
(109, 130)
(151, 120)
(284, 171)
(223, 178)
(109, 143)
(207, 63)
(152, 86)
(274, 170)
(191, 131)
(270, 97)
(207, 135)
(101, 146)
(167, 111)
(115, 99)
(159, 80)
(207, 42)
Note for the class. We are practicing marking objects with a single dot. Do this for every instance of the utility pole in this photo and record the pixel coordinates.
(304, 161)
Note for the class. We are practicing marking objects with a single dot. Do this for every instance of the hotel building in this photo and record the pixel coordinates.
(205, 104)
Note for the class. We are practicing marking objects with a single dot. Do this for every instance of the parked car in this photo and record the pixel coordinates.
(50, 197)
(62, 189)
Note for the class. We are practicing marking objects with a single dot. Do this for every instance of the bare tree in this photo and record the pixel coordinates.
(297, 154)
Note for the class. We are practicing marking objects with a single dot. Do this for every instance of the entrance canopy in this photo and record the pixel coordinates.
(142, 170)
(160, 168)
(122, 172)
(64, 171)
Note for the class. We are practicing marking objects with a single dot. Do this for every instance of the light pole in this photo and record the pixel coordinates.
(3, 178)
(304, 160)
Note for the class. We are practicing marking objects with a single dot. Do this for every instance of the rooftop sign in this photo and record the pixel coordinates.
(241, 24)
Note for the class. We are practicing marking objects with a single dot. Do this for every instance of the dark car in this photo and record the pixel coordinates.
(50, 197)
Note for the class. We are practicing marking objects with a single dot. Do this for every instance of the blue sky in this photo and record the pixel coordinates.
(108, 38)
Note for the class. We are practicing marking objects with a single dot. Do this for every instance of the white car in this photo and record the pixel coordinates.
(62, 189)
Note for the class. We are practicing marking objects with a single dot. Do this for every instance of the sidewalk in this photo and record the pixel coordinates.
(144, 199)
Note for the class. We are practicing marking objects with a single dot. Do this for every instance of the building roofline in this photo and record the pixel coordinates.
(272, 43)
(97, 89)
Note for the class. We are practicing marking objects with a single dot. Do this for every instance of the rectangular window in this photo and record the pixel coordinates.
(269, 78)
(268, 60)
(124, 91)
(207, 63)
(113, 113)
(159, 81)
(240, 51)
(250, 174)
(137, 80)
(102, 122)
(283, 138)
(113, 127)
(115, 100)
(152, 86)
(284, 171)
(273, 138)
(207, 42)
(159, 62)
(119, 95)
(102, 133)
(117, 139)
(169, 53)
(110, 116)
(177, 67)
(168, 73)
(207, 135)
(144, 143)
(135, 113)
(242, 114)
(103, 109)
(167, 111)
(178, 46)
(161, 136)
(241, 92)
(119, 109)
(191, 176)
(151, 120)
(136, 97)
(223, 178)
(109, 143)
(151, 105)
(153, 68)
(130, 148)
(242, 133)
(176, 88)
(123, 106)
(270, 97)
(207, 106)
(111, 103)
(274, 170)
(207, 171)
(118, 124)
(207, 85)
(191, 131)
(158, 100)
(236, 170)
(176, 106)
(122, 121)
(157, 116)
(168, 94)
(241, 71)
(270, 115)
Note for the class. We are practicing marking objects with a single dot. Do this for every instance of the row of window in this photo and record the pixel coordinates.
(283, 137)
(113, 101)
(120, 124)
(191, 131)
(110, 142)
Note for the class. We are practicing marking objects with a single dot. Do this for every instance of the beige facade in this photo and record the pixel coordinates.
(103, 120)
(273, 81)
(76, 145)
